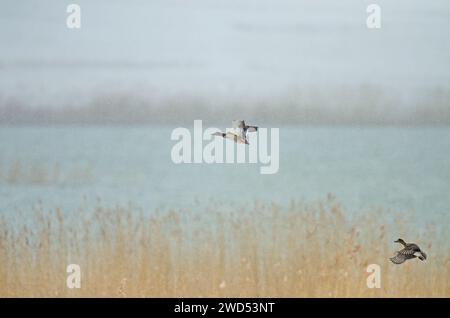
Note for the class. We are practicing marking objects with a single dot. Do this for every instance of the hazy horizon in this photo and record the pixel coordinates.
(293, 62)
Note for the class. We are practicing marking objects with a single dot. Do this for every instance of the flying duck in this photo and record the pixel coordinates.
(408, 252)
(239, 132)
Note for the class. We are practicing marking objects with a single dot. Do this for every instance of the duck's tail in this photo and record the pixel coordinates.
(422, 256)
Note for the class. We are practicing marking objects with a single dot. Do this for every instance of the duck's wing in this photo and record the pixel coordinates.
(239, 124)
(401, 258)
(398, 259)
(251, 128)
(219, 133)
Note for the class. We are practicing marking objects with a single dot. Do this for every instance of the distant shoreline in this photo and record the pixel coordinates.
(367, 106)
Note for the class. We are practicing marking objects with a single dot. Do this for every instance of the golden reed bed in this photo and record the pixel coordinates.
(304, 250)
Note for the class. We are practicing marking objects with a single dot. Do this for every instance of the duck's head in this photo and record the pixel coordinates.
(399, 241)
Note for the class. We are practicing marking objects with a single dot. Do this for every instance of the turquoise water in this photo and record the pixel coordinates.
(393, 169)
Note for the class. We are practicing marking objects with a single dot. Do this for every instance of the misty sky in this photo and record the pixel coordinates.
(218, 48)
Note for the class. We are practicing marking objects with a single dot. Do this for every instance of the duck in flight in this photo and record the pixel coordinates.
(409, 251)
(239, 132)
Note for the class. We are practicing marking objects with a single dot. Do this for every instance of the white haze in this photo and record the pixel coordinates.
(222, 52)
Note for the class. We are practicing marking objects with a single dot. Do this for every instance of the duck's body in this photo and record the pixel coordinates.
(232, 136)
(409, 251)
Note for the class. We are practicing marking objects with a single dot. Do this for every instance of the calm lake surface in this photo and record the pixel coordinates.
(394, 169)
